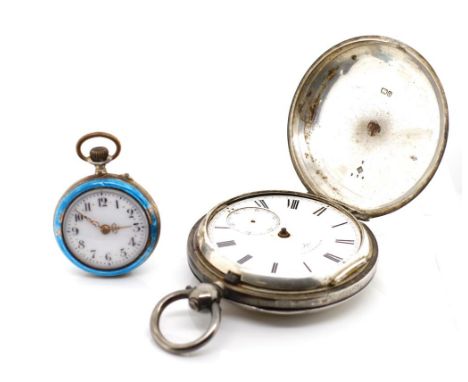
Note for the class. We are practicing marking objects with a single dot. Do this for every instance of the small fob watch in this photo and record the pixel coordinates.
(106, 224)
(367, 130)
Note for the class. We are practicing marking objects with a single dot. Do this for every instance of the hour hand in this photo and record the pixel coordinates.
(92, 221)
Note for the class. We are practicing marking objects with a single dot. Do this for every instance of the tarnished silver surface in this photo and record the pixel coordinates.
(274, 298)
(202, 297)
(367, 130)
(368, 125)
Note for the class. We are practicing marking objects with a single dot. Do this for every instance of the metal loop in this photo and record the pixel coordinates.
(208, 290)
(98, 134)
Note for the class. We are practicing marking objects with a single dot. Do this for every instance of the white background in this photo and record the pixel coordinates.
(199, 93)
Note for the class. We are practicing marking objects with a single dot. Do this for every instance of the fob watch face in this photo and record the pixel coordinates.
(107, 225)
(283, 240)
(105, 229)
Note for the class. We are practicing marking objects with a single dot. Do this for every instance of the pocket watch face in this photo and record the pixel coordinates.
(105, 229)
(285, 239)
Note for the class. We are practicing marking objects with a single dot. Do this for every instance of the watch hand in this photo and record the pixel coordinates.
(115, 228)
(104, 228)
(92, 221)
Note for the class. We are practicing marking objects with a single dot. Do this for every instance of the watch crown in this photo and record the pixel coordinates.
(99, 154)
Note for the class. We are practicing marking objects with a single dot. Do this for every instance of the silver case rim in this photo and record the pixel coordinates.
(280, 301)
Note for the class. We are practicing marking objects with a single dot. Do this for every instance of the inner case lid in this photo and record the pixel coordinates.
(368, 125)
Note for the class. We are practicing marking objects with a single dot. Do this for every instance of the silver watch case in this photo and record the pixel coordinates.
(277, 298)
(368, 99)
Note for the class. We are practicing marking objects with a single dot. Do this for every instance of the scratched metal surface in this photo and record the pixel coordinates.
(368, 125)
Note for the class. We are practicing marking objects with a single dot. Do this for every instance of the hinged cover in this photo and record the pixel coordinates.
(368, 125)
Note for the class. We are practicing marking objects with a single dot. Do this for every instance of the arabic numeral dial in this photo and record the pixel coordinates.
(105, 229)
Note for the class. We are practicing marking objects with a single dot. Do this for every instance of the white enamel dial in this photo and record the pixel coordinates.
(295, 239)
(105, 229)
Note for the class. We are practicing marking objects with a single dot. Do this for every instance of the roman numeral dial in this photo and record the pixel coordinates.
(281, 237)
(261, 203)
(320, 211)
(293, 204)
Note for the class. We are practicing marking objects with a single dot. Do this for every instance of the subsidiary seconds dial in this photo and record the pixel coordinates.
(105, 229)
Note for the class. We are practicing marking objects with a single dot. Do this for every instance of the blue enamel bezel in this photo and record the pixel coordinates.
(120, 185)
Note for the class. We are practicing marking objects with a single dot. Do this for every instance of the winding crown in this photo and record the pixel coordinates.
(99, 154)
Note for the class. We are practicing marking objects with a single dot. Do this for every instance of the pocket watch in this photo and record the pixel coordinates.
(367, 130)
(106, 224)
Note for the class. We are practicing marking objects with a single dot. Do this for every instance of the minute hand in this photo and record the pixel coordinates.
(114, 227)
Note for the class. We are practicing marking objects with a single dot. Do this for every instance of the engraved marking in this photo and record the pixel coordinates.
(360, 169)
(386, 92)
(221, 227)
